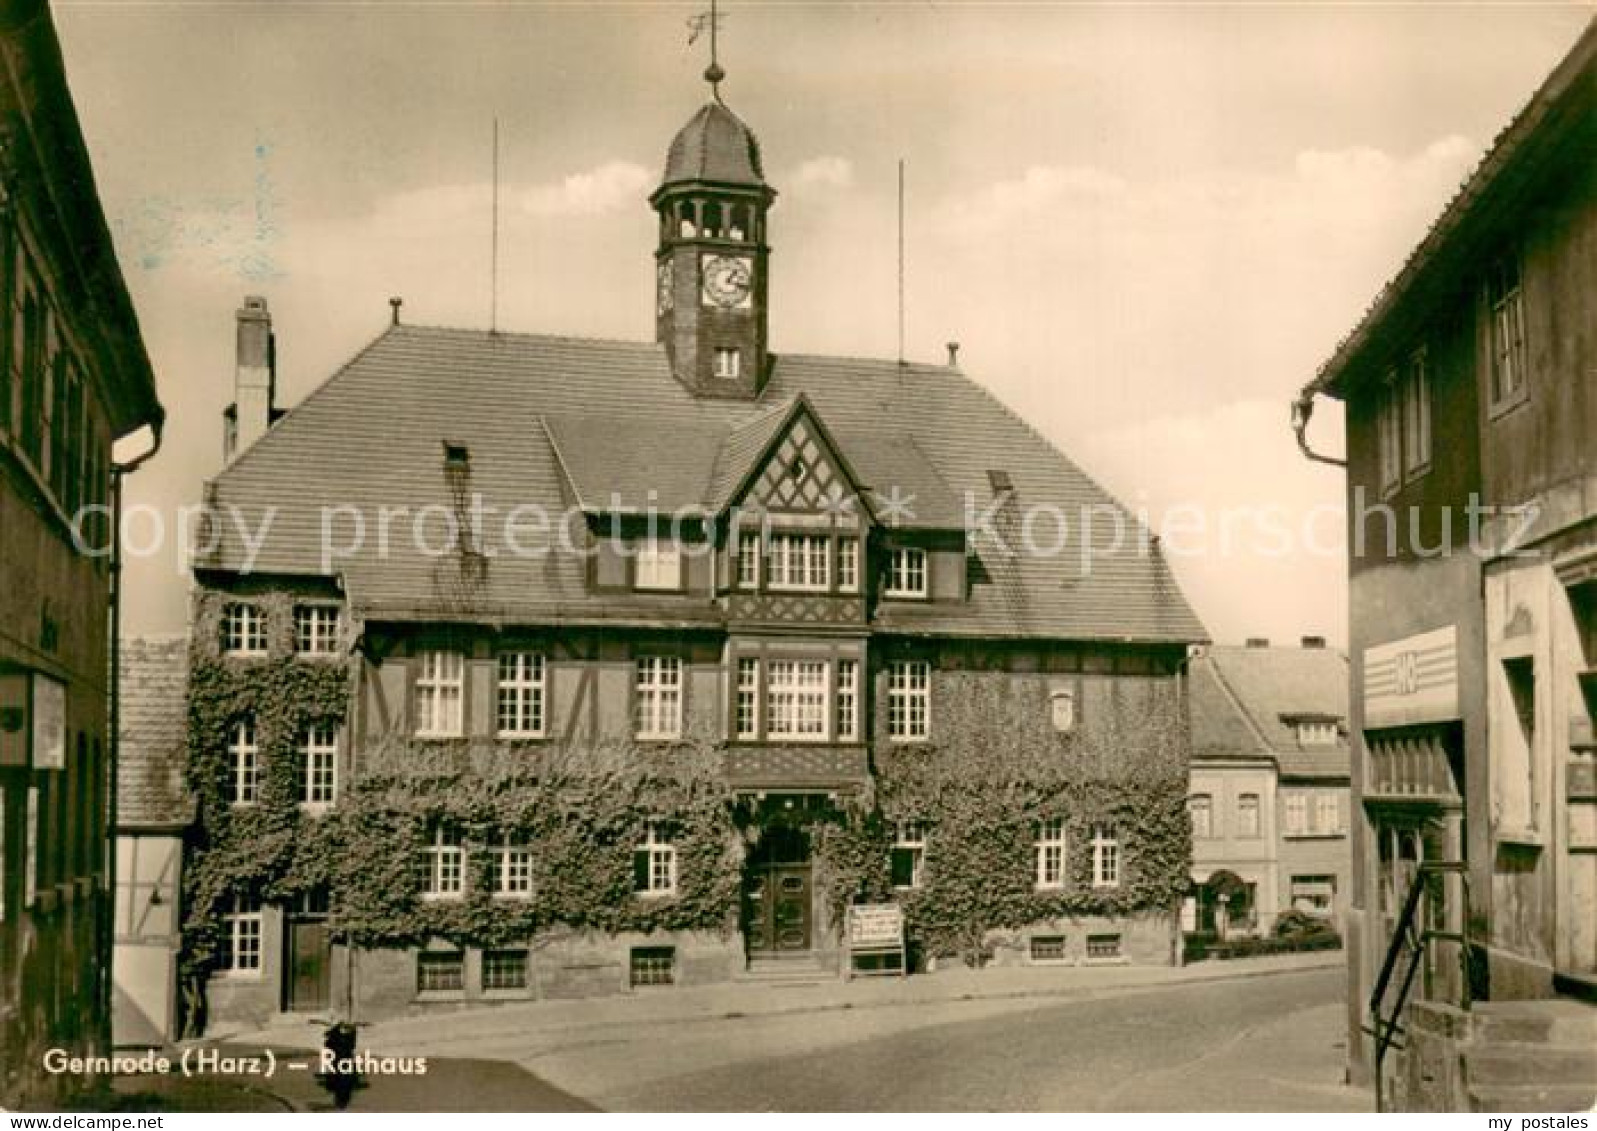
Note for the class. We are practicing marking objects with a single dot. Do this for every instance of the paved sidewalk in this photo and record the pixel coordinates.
(528, 1026)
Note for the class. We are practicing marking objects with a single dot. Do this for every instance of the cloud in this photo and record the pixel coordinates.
(598, 191)
(1037, 189)
(827, 171)
(613, 185)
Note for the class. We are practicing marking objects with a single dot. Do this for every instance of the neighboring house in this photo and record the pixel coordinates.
(74, 377)
(1471, 436)
(594, 751)
(1270, 799)
(154, 809)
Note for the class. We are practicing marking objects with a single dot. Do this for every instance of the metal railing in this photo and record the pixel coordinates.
(1410, 954)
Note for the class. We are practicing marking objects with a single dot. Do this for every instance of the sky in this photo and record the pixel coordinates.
(1146, 225)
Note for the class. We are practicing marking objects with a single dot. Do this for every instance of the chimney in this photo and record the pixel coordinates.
(254, 380)
(953, 355)
(1258, 642)
(1314, 642)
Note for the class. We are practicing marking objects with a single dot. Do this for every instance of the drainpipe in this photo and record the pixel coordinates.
(113, 739)
(1302, 410)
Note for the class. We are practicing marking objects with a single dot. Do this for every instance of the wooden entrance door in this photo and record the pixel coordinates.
(778, 896)
(307, 965)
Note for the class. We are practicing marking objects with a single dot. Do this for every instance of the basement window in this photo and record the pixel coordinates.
(1048, 948)
(440, 972)
(504, 969)
(653, 965)
(1103, 946)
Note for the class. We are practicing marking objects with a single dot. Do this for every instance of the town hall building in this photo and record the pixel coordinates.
(665, 655)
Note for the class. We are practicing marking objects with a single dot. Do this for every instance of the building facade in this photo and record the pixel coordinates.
(664, 656)
(74, 377)
(1471, 413)
(1270, 786)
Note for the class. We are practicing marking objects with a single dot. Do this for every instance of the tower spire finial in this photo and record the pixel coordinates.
(714, 74)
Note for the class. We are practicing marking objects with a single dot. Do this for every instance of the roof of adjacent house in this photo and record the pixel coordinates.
(1247, 700)
(153, 725)
(558, 423)
(1554, 131)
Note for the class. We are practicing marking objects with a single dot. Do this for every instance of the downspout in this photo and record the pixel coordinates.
(1302, 410)
(113, 742)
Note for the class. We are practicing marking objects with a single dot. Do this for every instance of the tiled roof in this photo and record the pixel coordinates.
(154, 721)
(371, 437)
(1562, 105)
(1242, 699)
(715, 146)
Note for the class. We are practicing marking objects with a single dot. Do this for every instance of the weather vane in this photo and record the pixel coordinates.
(697, 25)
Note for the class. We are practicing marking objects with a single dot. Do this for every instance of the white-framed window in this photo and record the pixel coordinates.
(504, 969)
(1105, 857)
(1327, 813)
(795, 699)
(659, 565)
(748, 697)
(1050, 845)
(513, 873)
(1062, 710)
(440, 971)
(317, 629)
(1506, 310)
(906, 572)
(847, 699)
(848, 564)
(909, 854)
(1201, 808)
(1248, 814)
(658, 712)
(440, 694)
(1312, 735)
(909, 685)
(1417, 416)
(1297, 814)
(520, 708)
(244, 762)
(241, 944)
(318, 751)
(728, 362)
(654, 862)
(799, 561)
(443, 865)
(748, 559)
(243, 629)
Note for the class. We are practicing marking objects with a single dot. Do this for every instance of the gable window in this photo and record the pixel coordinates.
(1105, 857)
(244, 758)
(1417, 417)
(1050, 846)
(795, 699)
(1201, 808)
(906, 573)
(513, 869)
(748, 560)
(521, 690)
(659, 565)
(316, 629)
(440, 693)
(909, 854)
(847, 700)
(848, 564)
(909, 700)
(241, 950)
(728, 362)
(318, 751)
(1389, 429)
(1317, 734)
(1506, 310)
(243, 629)
(443, 865)
(1327, 813)
(799, 561)
(654, 862)
(659, 697)
(748, 698)
(1297, 814)
(1248, 814)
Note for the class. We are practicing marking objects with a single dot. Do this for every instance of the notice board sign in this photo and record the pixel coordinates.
(875, 930)
(49, 723)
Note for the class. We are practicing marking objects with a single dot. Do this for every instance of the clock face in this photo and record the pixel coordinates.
(664, 296)
(728, 280)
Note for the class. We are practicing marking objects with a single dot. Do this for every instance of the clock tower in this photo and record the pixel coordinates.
(712, 263)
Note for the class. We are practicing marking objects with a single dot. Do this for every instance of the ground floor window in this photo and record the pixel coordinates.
(242, 950)
(653, 965)
(654, 862)
(1050, 847)
(1048, 948)
(440, 971)
(1315, 895)
(504, 969)
(1103, 946)
(909, 854)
